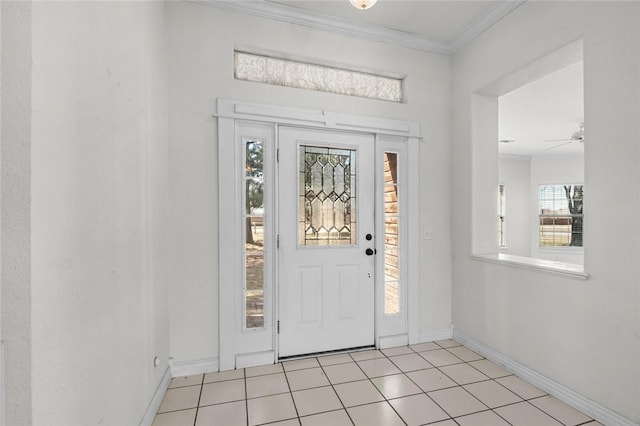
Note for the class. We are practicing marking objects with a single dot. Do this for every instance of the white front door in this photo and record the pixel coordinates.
(326, 241)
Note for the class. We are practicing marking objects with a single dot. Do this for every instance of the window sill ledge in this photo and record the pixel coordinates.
(568, 270)
(567, 250)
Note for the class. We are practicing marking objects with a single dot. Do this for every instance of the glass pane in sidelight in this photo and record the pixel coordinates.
(254, 234)
(391, 235)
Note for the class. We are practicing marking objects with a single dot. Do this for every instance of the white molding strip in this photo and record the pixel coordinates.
(1, 383)
(393, 341)
(255, 359)
(189, 368)
(321, 21)
(334, 24)
(483, 23)
(564, 394)
(315, 118)
(158, 396)
(433, 335)
(567, 270)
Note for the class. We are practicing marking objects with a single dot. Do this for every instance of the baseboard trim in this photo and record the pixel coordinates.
(393, 341)
(189, 368)
(564, 394)
(255, 359)
(158, 396)
(1, 383)
(433, 335)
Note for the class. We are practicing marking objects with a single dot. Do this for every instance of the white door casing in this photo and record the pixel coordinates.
(240, 347)
(326, 292)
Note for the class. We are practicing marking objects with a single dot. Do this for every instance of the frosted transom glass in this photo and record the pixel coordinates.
(300, 75)
(327, 196)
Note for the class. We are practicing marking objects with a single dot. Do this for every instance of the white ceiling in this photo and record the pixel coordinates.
(547, 109)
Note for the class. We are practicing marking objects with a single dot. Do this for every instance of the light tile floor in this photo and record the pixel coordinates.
(438, 383)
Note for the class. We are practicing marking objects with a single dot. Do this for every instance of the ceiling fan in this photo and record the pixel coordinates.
(576, 137)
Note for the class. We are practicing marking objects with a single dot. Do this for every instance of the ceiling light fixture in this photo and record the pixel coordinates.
(363, 4)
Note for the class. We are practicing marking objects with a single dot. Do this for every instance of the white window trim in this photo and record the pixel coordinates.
(503, 247)
(562, 249)
(392, 324)
(567, 270)
(484, 163)
(230, 258)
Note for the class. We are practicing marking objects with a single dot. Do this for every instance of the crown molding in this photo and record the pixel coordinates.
(297, 16)
(483, 23)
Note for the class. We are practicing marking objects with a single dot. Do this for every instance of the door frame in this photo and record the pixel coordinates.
(232, 115)
(329, 329)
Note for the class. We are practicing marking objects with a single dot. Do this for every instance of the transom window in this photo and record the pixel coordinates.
(301, 75)
(561, 215)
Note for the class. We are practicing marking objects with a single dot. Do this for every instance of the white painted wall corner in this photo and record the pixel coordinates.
(157, 398)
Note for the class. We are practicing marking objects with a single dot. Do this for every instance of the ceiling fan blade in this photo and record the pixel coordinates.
(556, 140)
(558, 145)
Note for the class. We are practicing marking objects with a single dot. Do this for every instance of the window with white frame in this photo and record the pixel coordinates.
(561, 215)
(254, 233)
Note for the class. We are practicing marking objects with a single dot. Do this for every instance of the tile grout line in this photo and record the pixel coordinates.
(427, 395)
(246, 394)
(405, 374)
(541, 410)
(334, 389)
(478, 399)
(293, 401)
(460, 386)
(195, 419)
(385, 398)
(452, 387)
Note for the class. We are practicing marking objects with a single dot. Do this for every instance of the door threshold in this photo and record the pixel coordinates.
(324, 353)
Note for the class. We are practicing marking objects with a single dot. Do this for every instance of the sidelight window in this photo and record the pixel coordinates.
(391, 235)
(254, 233)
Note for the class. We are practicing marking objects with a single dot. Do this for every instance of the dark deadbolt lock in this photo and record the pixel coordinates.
(368, 237)
(369, 252)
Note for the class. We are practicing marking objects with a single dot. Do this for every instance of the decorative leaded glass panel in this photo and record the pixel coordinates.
(327, 196)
